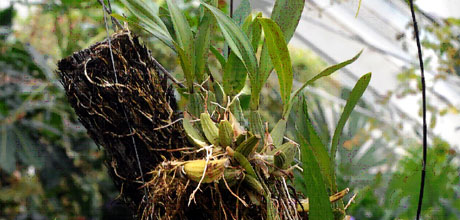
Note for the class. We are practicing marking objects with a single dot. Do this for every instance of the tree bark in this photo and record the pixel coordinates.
(122, 109)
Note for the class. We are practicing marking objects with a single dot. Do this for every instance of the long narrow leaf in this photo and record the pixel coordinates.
(242, 11)
(305, 127)
(236, 39)
(355, 95)
(256, 32)
(219, 56)
(150, 20)
(185, 41)
(279, 55)
(195, 104)
(286, 13)
(320, 207)
(202, 41)
(235, 73)
(278, 131)
(326, 72)
(153, 30)
(246, 26)
(186, 65)
(144, 11)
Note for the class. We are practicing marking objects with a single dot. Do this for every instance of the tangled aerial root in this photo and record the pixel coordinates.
(167, 193)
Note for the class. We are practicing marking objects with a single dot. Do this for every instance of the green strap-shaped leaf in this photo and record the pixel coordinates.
(202, 43)
(145, 11)
(243, 161)
(286, 13)
(235, 72)
(193, 133)
(326, 72)
(184, 38)
(234, 76)
(355, 95)
(149, 18)
(236, 39)
(186, 65)
(246, 26)
(27, 153)
(308, 132)
(221, 97)
(320, 207)
(219, 56)
(242, 12)
(279, 55)
(256, 32)
(278, 131)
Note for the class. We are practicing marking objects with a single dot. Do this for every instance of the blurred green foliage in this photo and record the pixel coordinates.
(49, 167)
(396, 197)
(445, 45)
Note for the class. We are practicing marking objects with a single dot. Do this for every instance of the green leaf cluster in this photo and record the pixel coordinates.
(255, 55)
(319, 165)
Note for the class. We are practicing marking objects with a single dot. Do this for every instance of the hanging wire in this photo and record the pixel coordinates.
(419, 48)
(116, 81)
(109, 10)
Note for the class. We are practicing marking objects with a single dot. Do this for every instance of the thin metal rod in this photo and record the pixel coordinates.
(419, 48)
